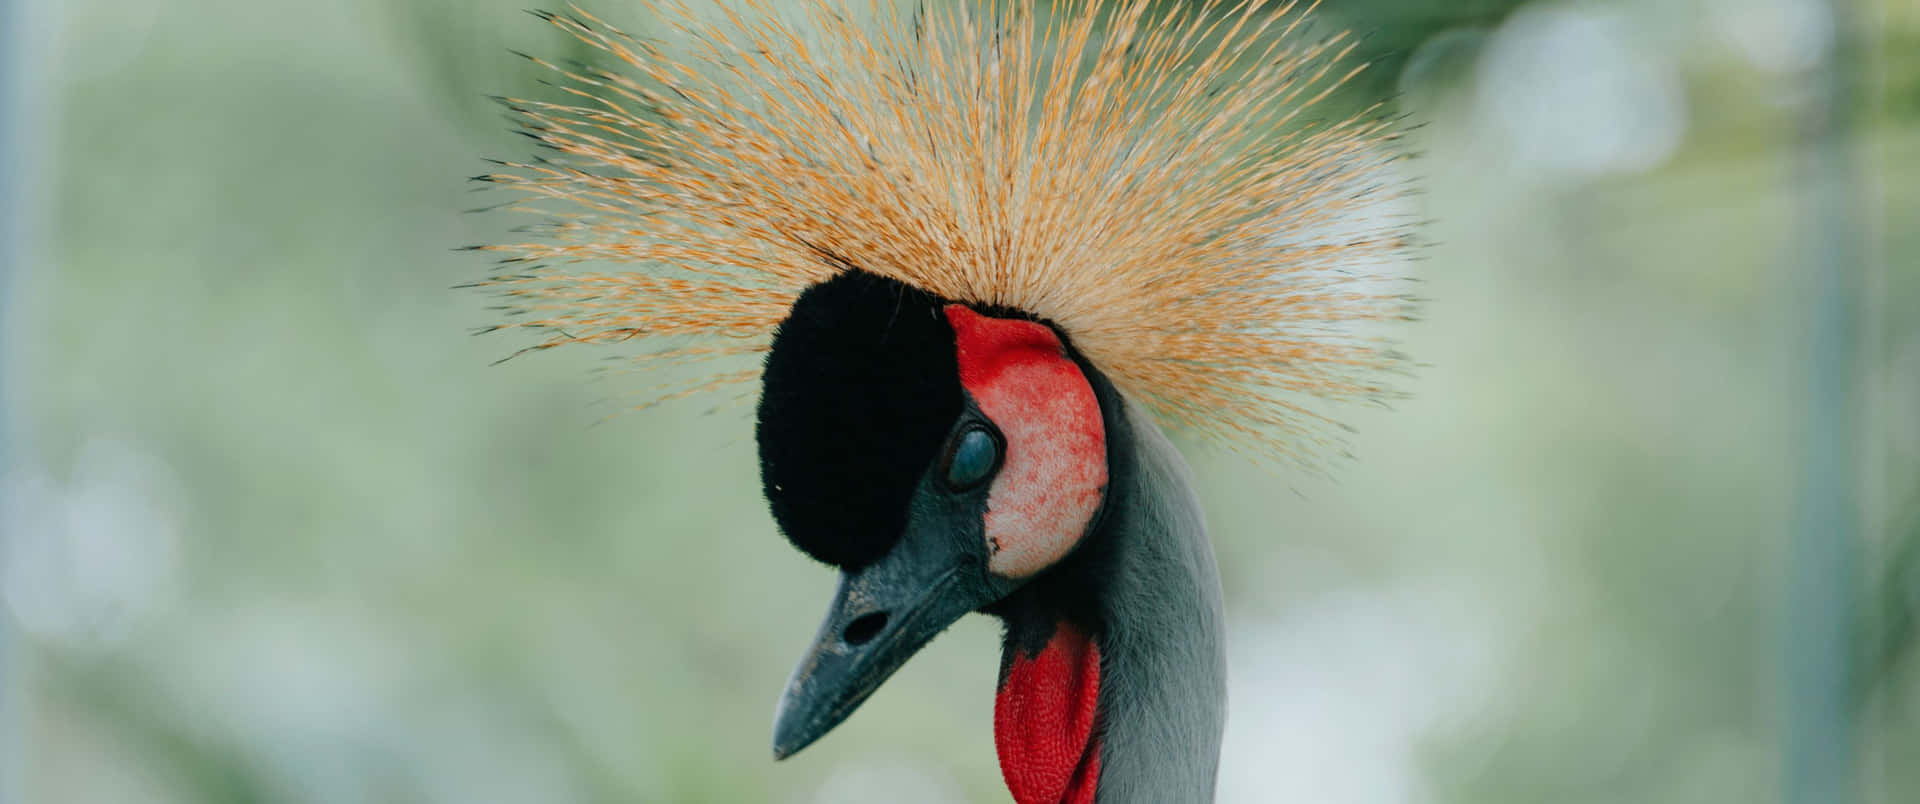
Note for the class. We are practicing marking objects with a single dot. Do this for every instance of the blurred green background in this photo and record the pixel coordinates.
(276, 530)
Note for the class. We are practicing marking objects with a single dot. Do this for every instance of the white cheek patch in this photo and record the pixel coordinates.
(1055, 469)
(1048, 490)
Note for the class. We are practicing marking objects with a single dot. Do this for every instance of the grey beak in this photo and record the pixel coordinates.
(881, 616)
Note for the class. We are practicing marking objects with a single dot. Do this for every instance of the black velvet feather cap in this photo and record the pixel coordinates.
(860, 391)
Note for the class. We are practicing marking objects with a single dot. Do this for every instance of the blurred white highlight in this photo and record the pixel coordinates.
(1572, 95)
(88, 560)
(1777, 36)
(1331, 703)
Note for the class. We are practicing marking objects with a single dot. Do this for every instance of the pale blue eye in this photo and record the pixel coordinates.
(976, 454)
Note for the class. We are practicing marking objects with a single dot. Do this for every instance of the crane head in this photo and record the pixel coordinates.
(938, 220)
(938, 454)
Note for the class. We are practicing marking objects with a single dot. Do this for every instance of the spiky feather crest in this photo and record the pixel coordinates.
(1152, 184)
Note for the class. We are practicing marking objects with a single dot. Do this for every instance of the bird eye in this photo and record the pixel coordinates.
(975, 456)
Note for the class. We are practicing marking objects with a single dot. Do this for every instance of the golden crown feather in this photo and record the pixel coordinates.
(1149, 182)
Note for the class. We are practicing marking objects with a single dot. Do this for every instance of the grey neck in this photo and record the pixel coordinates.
(1163, 681)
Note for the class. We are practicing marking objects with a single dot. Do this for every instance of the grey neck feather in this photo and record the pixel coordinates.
(1163, 680)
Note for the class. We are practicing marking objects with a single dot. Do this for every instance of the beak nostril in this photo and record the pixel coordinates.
(864, 628)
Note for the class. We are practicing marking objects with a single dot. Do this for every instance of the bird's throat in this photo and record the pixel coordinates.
(1113, 676)
(1044, 719)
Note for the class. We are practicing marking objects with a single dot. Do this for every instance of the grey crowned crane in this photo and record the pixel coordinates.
(975, 257)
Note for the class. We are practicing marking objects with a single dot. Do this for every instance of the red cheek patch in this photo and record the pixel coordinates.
(1043, 722)
(1055, 469)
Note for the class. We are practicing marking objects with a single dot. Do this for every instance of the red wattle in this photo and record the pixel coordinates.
(1043, 721)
